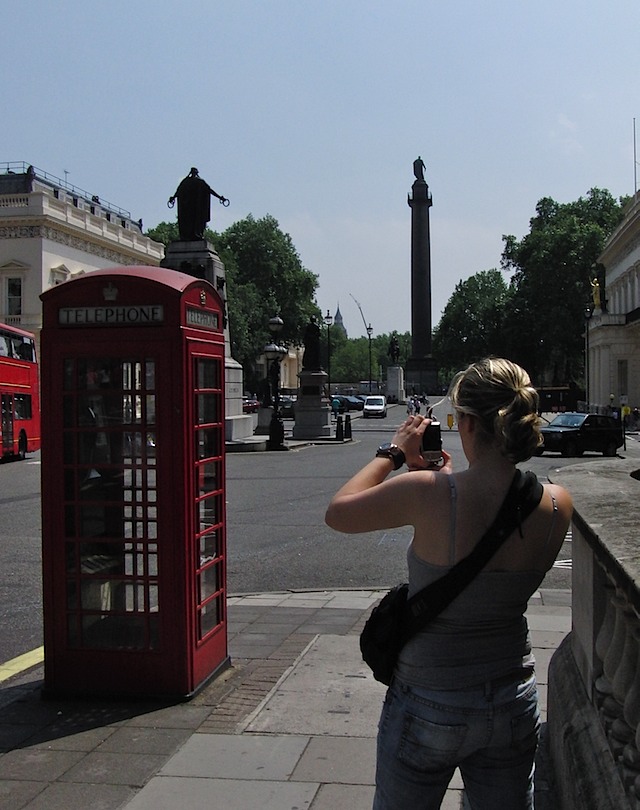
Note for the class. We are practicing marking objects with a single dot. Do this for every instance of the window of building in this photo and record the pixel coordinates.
(623, 378)
(14, 297)
(58, 274)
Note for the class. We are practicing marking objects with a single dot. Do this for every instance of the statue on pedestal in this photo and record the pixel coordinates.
(194, 210)
(394, 350)
(311, 356)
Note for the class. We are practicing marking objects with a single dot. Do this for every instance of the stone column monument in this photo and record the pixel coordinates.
(421, 371)
(194, 255)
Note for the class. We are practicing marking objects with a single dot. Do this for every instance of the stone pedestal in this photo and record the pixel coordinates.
(421, 376)
(313, 413)
(200, 260)
(395, 384)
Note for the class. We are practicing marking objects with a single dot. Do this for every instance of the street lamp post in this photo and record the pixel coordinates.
(328, 319)
(588, 312)
(369, 332)
(274, 353)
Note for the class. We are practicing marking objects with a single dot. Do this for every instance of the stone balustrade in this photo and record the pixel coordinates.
(594, 677)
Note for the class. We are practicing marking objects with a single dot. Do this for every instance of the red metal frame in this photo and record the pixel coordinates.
(133, 471)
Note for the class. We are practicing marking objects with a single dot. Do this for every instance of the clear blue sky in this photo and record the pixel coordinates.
(314, 112)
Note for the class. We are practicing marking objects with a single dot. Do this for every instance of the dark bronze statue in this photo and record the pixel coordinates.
(194, 209)
(394, 350)
(311, 356)
(418, 168)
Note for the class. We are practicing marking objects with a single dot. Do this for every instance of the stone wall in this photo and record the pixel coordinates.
(594, 677)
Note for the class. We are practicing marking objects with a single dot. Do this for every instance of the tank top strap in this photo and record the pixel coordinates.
(553, 520)
(453, 492)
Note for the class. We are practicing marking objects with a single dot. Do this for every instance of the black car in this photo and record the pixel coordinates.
(348, 403)
(573, 433)
(287, 408)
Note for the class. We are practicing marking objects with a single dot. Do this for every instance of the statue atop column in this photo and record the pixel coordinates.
(194, 209)
(418, 168)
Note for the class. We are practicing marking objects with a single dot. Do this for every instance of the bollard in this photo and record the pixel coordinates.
(339, 430)
(347, 427)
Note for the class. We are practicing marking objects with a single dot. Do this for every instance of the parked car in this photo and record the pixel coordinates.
(375, 406)
(343, 406)
(287, 410)
(354, 403)
(250, 405)
(573, 433)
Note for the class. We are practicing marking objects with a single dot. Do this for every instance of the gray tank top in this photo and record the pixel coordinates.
(483, 634)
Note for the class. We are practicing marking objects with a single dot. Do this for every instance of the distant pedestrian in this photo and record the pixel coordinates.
(410, 407)
(416, 406)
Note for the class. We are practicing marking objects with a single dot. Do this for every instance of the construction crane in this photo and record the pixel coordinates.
(369, 331)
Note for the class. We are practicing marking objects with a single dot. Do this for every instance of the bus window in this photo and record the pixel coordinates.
(22, 406)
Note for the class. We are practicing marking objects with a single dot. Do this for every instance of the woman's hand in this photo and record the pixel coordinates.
(408, 437)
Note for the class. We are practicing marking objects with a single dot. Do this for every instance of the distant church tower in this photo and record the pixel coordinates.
(338, 322)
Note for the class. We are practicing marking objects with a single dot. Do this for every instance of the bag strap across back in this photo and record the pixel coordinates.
(524, 495)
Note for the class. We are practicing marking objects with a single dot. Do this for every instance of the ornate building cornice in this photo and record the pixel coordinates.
(73, 240)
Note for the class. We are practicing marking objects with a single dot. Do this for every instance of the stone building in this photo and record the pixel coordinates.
(613, 331)
(51, 231)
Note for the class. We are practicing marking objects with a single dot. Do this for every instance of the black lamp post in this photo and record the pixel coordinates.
(369, 332)
(588, 312)
(328, 319)
(274, 353)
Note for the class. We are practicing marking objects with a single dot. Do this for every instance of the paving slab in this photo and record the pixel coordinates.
(249, 756)
(329, 691)
(338, 760)
(169, 793)
(78, 797)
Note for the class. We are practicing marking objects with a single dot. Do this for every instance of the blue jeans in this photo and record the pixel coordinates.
(490, 732)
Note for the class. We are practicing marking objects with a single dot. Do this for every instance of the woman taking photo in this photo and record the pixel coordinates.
(464, 690)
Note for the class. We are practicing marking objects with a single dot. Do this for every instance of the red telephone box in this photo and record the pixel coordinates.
(133, 479)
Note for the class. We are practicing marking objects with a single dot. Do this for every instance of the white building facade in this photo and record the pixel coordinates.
(614, 328)
(51, 231)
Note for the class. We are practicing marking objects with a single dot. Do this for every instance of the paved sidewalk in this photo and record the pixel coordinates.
(291, 724)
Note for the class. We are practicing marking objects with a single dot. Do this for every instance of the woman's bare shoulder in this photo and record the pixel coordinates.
(562, 498)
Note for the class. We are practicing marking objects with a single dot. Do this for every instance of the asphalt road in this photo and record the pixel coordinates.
(277, 539)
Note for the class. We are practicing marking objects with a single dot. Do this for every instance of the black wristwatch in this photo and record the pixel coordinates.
(392, 451)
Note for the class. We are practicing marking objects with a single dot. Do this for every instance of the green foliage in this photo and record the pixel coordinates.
(472, 323)
(265, 277)
(350, 356)
(552, 267)
(164, 232)
(538, 319)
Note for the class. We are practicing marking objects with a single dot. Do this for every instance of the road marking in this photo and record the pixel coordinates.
(21, 663)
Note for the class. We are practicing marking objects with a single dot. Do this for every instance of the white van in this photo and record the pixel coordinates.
(375, 406)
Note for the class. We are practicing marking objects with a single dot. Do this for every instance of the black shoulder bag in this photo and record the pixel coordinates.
(396, 618)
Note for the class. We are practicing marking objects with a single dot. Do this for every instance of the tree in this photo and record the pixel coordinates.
(552, 267)
(471, 326)
(265, 277)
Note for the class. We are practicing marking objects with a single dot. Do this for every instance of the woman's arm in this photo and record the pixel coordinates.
(368, 501)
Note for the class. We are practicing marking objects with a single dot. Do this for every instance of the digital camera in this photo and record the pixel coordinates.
(432, 443)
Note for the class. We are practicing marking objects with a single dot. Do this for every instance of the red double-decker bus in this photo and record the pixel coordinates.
(19, 393)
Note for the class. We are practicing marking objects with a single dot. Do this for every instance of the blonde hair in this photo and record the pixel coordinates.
(500, 395)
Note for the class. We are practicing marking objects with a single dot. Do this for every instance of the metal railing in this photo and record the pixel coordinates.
(20, 167)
